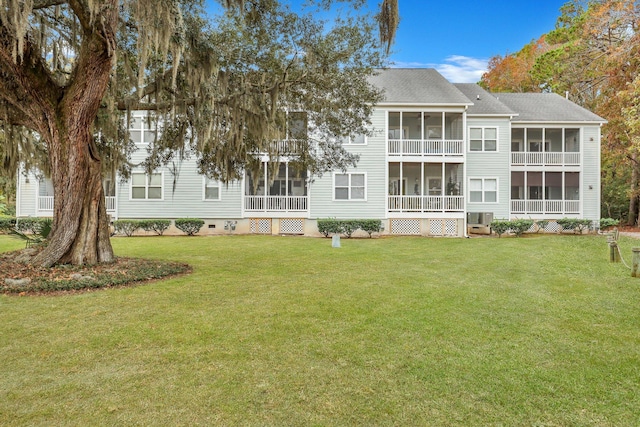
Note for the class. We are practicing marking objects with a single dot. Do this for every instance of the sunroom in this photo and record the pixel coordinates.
(545, 146)
(555, 193)
(276, 187)
(425, 133)
(421, 187)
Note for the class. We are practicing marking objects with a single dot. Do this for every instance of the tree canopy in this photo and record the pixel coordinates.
(593, 54)
(71, 71)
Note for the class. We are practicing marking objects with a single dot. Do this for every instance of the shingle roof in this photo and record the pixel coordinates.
(546, 107)
(422, 86)
(484, 103)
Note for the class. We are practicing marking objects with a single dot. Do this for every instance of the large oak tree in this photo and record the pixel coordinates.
(72, 70)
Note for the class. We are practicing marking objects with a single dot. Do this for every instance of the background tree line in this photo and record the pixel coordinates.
(593, 54)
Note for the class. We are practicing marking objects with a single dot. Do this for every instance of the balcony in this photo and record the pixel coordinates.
(556, 207)
(425, 204)
(425, 147)
(276, 203)
(45, 204)
(285, 147)
(545, 159)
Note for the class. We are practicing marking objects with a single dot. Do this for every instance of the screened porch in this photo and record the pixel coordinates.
(425, 187)
(276, 187)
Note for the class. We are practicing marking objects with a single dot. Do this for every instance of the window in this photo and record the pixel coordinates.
(145, 186)
(140, 129)
(211, 189)
(354, 140)
(483, 139)
(349, 186)
(483, 190)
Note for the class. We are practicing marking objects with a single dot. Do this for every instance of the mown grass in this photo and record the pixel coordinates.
(541, 330)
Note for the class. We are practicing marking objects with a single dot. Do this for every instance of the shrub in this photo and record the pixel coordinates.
(158, 226)
(329, 226)
(519, 226)
(31, 224)
(542, 224)
(40, 230)
(126, 226)
(371, 226)
(500, 226)
(606, 223)
(189, 226)
(349, 226)
(575, 224)
(7, 223)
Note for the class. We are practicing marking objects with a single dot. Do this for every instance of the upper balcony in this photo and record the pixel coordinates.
(425, 134)
(545, 147)
(429, 147)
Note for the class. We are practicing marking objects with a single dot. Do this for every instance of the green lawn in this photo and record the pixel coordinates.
(274, 331)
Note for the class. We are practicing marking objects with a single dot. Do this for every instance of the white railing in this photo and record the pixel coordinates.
(425, 147)
(110, 202)
(545, 206)
(276, 203)
(542, 159)
(425, 203)
(45, 203)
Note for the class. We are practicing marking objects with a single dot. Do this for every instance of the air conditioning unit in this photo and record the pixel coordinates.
(479, 222)
(479, 218)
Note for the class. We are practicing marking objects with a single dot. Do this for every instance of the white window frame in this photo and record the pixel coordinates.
(349, 141)
(484, 189)
(146, 191)
(483, 139)
(206, 180)
(141, 129)
(350, 187)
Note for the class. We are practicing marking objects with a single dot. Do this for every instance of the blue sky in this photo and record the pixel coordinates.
(459, 37)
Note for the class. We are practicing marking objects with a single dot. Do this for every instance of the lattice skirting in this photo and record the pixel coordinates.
(553, 227)
(292, 226)
(261, 225)
(405, 226)
(443, 227)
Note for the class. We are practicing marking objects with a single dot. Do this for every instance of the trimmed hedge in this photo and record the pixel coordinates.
(126, 226)
(516, 226)
(575, 224)
(189, 226)
(7, 223)
(605, 223)
(158, 226)
(349, 226)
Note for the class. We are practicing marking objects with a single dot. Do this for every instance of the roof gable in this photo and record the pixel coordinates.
(546, 107)
(417, 86)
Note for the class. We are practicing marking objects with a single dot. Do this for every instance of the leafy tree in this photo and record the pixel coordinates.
(594, 55)
(69, 68)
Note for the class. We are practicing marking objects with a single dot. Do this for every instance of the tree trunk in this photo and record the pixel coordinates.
(80, 232)
(633, 199)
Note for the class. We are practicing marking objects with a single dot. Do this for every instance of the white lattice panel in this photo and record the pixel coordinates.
(405, 226)
(553, 227)
(435, 227)
(261, 226)
(451, 227)
(292, 226)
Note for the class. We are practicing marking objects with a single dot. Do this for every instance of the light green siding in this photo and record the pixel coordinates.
(491, 165)
(591, 172)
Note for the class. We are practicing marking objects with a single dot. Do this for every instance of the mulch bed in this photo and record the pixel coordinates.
(19, 277)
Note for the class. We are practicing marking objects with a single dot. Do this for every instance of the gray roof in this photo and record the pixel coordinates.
(546, 107)
(424, 86)
(484, 103)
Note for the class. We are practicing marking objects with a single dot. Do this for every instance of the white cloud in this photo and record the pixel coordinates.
(456, 68)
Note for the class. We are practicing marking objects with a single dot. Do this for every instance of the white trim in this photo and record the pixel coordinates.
(146, 198)
(484, 139)
(483, 179)
(204, 190)
(349, 199)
